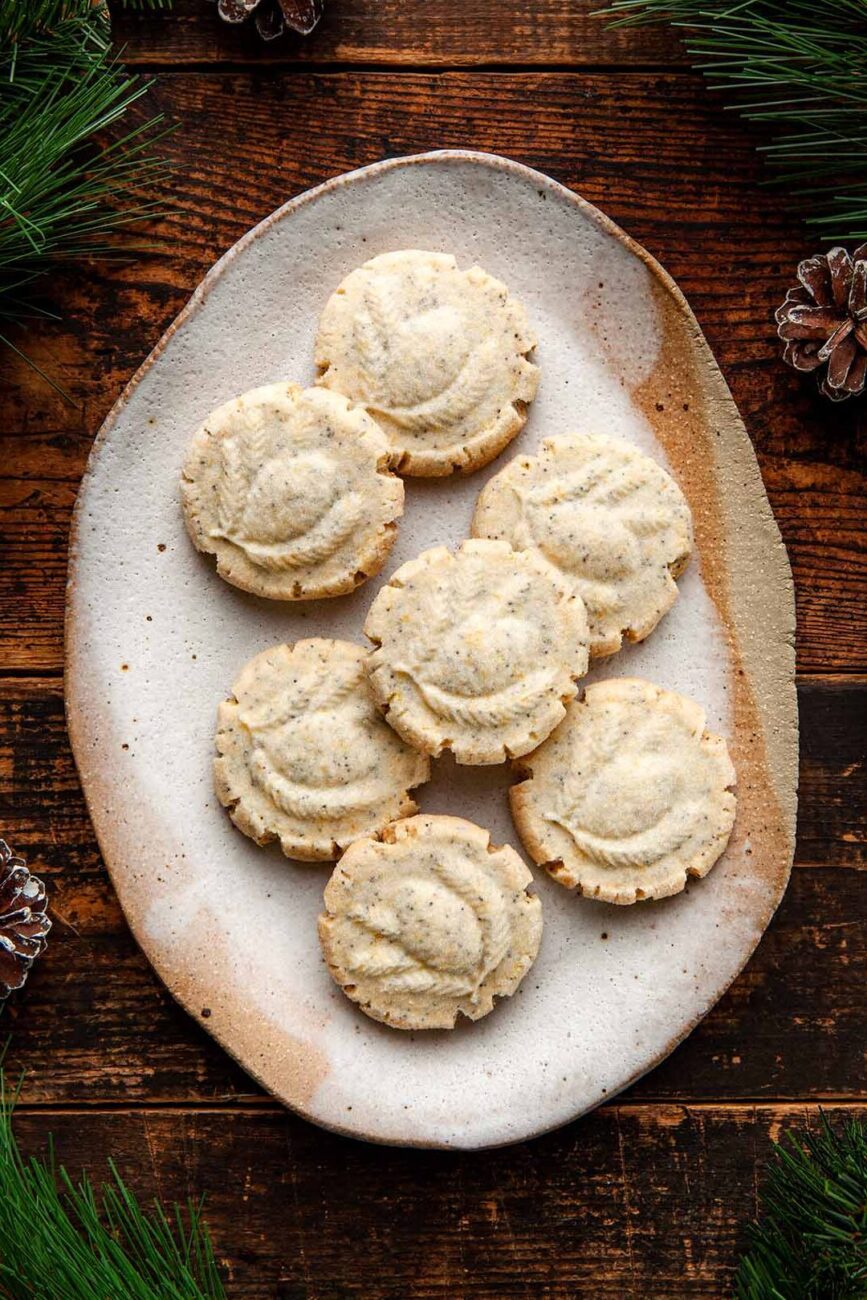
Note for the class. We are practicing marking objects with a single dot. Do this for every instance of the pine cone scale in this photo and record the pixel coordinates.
(834, 345)
(24, 924)
(12, 887)
(21, 917)
(814, 276)
(12, 974)
(235, 11)
(823, 321)
(301, 15)
(840, 361)
(272, 17)
(858, 292)
(840, 266)
(858, 372)
(809, 323)
(802, 356)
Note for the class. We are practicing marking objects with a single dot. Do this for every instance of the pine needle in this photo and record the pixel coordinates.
(59, 1241)
(70, 185)
(810, 1242)
(799, 68)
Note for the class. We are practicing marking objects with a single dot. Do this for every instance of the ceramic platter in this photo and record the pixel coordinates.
(155, 639)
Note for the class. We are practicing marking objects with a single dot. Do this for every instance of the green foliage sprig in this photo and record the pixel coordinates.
(59, 1240)
(800, 68)
(61, 194)
(810, 1242)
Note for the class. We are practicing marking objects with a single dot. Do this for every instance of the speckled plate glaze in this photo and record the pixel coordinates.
(155, 639)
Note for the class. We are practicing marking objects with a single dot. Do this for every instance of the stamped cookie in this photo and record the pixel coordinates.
(429, 921)
(630, 795)
(438, 355)
(291, 490)
(305, 758)
(478, 650)
(611, 520)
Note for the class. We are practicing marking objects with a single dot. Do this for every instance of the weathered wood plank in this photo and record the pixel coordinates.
(819, 509)
(652, 149)
(439, 32)
(300, 1214)
(96, 1024)
(43, 809)
(587, 1211)
(833, 781)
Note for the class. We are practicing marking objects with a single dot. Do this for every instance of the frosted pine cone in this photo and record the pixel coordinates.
(824, 320)
(272, 17)
(23, 923)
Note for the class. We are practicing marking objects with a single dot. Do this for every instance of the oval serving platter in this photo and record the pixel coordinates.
(155, 639)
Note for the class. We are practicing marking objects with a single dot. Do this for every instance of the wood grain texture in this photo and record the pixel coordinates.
(632, 1201)
(651, 149)
(503, 32)
(587, 1211)
(96, 1025)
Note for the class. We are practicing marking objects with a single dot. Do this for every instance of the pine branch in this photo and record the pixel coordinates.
(62, 193)
(798, 68)
(60, 1241)
(810, 1242)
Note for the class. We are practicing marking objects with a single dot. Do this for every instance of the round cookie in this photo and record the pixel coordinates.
(436, 354)
(611, 520)
(429, 921)
(478, 650)
(291, 490)
(305, 758)
(629, 796)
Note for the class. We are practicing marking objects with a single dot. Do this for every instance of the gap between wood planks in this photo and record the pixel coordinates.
(207, 67)
(266, 1106)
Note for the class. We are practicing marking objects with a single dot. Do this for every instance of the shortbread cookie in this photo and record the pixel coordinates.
(630, 795)
(609, 518)
(477, 650)
(429, 921)
(304, 756)
(438, 356)
(291, 490)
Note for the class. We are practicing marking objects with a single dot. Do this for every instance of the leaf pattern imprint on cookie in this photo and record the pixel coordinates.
(241, 459)
(607, 853)
(484, 897)
(233, 485)
(451, 406)
(514, 702)
(376, 329)
(310, 803)
(321, 542)
(576, 486)
(317, 690)
(468, 580)
(399, 970)
(424, 980)
(635, 850)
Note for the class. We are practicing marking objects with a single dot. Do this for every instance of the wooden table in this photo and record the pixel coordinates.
(647, 1196)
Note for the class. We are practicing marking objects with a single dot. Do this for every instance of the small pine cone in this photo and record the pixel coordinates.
(23, 923)
(824, 319)
(272, 17)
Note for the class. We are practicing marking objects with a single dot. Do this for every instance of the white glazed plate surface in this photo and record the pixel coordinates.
(155, 639)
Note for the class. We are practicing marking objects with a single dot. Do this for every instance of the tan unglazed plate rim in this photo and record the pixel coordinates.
(683, 403)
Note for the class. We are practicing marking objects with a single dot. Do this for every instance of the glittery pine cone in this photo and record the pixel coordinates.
(23, 923)
(272, 17)
(823, 321)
